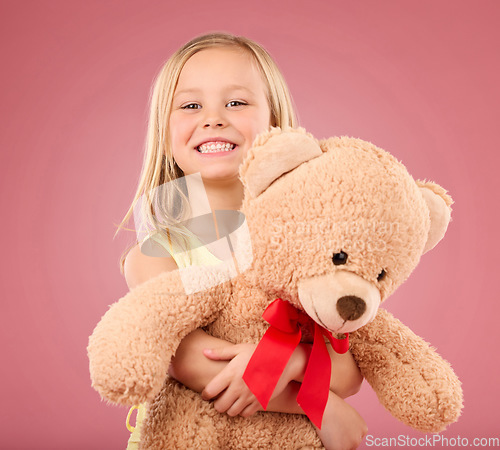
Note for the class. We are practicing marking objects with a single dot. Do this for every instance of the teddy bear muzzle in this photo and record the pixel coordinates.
(341, 301)
(351, 307)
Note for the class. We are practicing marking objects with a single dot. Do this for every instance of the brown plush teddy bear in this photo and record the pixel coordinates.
(336, 226)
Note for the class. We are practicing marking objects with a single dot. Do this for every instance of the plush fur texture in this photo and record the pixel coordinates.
(325, 197)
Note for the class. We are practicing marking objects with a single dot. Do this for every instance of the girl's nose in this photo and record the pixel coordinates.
(215, 124)
(213, 118)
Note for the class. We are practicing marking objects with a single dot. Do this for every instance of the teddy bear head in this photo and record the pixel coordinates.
(336, 224)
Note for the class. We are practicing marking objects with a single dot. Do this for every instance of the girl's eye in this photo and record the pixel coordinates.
(191, 106)
(235, 103)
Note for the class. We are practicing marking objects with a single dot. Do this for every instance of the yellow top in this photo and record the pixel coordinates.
(196, 255)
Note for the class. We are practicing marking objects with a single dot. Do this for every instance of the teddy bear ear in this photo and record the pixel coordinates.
(439, 204)
(274, 153)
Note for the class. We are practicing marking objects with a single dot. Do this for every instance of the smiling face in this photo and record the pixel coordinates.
(219, 107)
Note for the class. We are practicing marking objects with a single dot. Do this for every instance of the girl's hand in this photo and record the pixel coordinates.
(342, 427)
(235, 396)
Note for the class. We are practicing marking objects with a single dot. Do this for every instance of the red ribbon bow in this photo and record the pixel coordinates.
(275, 349)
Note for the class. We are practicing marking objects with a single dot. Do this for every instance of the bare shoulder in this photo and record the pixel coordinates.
(139, 267)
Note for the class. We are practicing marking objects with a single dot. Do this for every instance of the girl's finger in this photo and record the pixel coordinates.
(216, 386)
(250, 410)
(224, 402)
(237, 407)
(221, 354)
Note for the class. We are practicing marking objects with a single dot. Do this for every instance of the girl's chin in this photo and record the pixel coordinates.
(219, 175)
(213, 173)
(219, 172)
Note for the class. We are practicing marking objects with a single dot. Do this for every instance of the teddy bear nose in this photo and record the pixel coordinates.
(350, 307)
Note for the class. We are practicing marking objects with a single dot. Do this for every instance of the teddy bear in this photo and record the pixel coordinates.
(332, 227)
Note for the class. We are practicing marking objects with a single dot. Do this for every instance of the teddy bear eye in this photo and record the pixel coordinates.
(339, 258)
(381, 275)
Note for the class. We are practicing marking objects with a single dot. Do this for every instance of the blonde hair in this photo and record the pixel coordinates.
(159, 166)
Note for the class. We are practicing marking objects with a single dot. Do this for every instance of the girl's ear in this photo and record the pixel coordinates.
(439, 204)
(274, 153)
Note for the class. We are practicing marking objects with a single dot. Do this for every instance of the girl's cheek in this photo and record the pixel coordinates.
(254, 125)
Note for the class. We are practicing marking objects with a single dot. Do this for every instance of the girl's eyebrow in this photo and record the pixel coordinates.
(186, 91)
(231, 87)
(238, 87)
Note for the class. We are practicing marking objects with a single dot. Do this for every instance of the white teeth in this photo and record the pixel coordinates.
(216, 147)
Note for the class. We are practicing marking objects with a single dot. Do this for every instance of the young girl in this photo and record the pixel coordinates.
(209, 102)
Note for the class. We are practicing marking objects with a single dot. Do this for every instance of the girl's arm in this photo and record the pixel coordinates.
(233, 396)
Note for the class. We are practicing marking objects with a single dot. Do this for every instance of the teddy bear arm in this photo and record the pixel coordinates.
(411, 380)
(132, 345)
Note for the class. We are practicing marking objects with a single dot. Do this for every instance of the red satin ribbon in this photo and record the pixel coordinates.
(275, 349)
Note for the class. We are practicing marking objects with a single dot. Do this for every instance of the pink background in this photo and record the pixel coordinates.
(418, 78)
